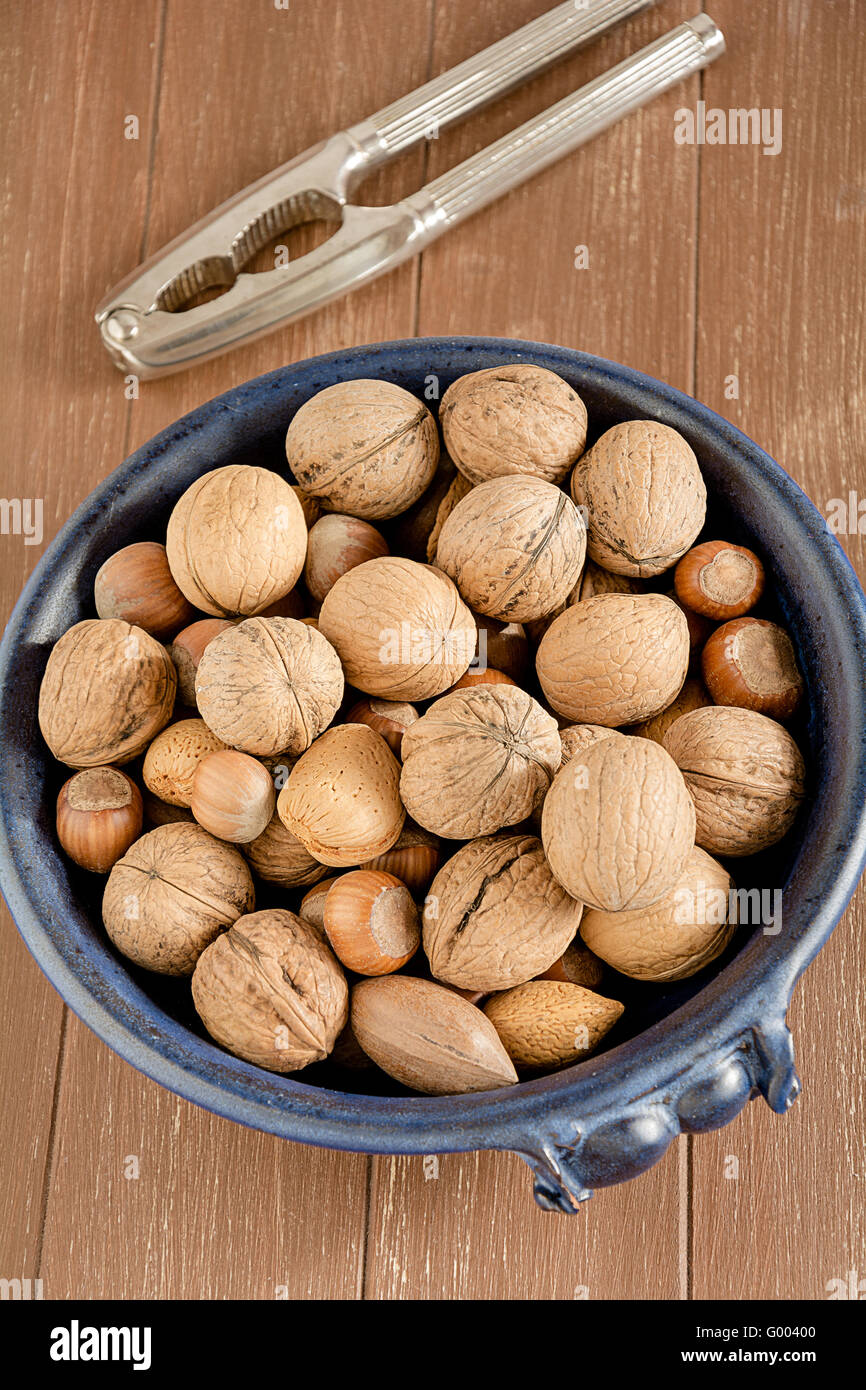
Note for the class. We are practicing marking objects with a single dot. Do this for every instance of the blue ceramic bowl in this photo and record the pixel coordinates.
(690, 1055)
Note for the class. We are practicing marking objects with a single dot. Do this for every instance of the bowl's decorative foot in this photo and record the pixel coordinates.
(778, 1081)
(556, 1187)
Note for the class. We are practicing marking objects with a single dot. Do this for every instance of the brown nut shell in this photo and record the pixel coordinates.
(271, 991)
(618, 824)
(692, 696)
(751, 663)
(478, 760)
(576, 738)
(269, 685)
(232, 796)
(495, 916)
(576, 966)
(171, 760)
(174, 891)
(614, 659)
(517, 418)
(371, 922)
(99, 815)
(335, 545)
(108, 689)
(428, 1037)
(364, 447)
(644, 496)
(514, 547)
(547, 1023)
(342, 799)
(677, 936)
(186, 653)
(719, 580)
(135, 584)
(390, 718)
(401, 629)
(236, 540)
(745, 774)
(414, 858)
(278, 856)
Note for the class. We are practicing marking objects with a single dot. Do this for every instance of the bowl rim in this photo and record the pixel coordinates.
(725, 1007)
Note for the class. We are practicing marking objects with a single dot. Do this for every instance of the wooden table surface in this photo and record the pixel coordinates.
(734, 274)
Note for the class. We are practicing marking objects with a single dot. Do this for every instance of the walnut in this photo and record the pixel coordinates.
(174, 891)
(479, 759)
(342, 799)
(236, 540)
(171, 760)
(576, 738)
(514, 547)
(401, 629)
(271, 991)
(517, 418)
(618, 824)
(643, 493)
(367, 448)
(495, 916)
(269, 685)
(615, 658)
(279, 857)
(693, 695)
(108, 689)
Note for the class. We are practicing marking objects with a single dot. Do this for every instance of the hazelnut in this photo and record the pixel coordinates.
(337, 544)
(478, 760)
(699, 629)
(390, 718)
(342, 798)
(495, 915)
(368, 448)
(99, 814)
(745, 774)
(291, 605)
(171, 894)
(236, 540)
(614, 659)
(371, 922)
(644, 495)
(186, 652)
(272, 992)
(232, 796)
(400, 629)
(545, 1024)
(171, 760)
(412, 529)
(719, 580)
(278, 856)
(135, 584)
(269, 685)
(414, 858)
(618, 824)
(576, 966)
(517, 418)
(486, 677)
(693, 695)
(514, 547)
(677, 936)
(108, 689)
(750, 662)
(504, 646)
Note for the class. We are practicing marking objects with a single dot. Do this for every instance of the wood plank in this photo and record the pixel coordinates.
(221, 1211)
(782, 244)
(65, 101)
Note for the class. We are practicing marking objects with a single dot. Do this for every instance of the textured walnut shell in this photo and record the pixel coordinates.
(745, 773)
(595, 580)
(171, 760)
(269, 685)
(342, 799)
(618, 824)
(236, 540)
(495, 915)
(279, 857)
(677, 936)
(171, 894)
(479, 759)
(271, 991)
(644, 496)
(401, 629)
(548, 1023)
(576, 738)
(692, 696)
(460, 488)
(428, 1037)
(108, 689)
(367, 448)
(517, 418)
(514, 547)
(614, 659)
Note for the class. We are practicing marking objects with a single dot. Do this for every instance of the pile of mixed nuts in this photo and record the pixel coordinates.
(477, 720)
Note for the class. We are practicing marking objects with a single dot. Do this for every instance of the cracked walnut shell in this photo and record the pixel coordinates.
(272, 992)
(236, 540)
(514, 547)
(269, 685)
(367, 448)
(495, 916)
(479, 759)
(644, 497)
(107, 690)
(517, 418)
